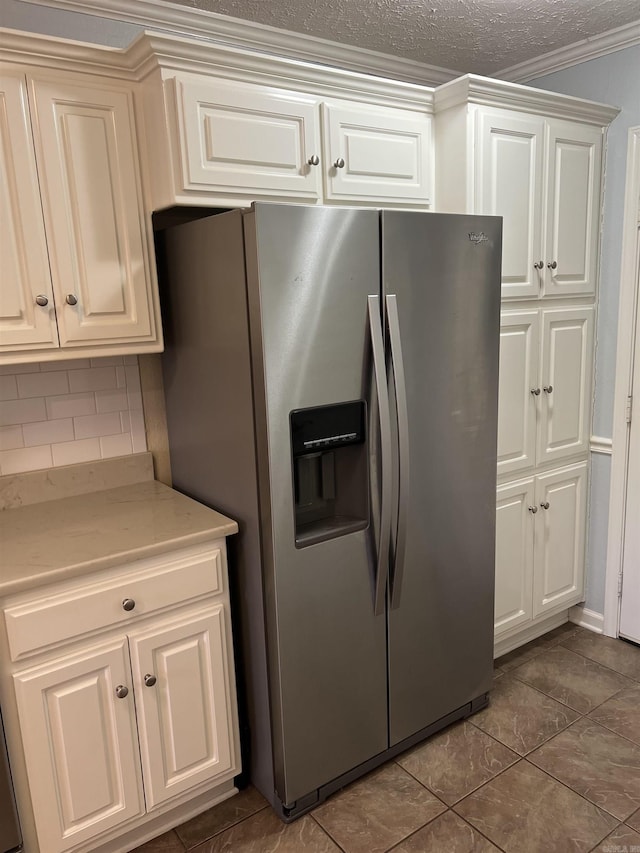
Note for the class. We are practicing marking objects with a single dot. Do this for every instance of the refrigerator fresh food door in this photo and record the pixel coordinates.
(310, 273)
(441, 284)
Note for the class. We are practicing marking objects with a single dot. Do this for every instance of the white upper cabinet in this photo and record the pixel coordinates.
(573, 208)
(248, 139)
(216, 140)
(510, 184)
(534, 158)
(80, 279)
(375, 152)
(25, 281)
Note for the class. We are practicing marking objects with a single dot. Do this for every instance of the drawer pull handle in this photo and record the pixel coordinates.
(553, 265)
(72, 299)
(544, 504)
(42, 300)
(535, 391)
(313, 160)
(121, 691)
(538, 265)
(339, 164)
(548, 389)
(149, 680)
(533, 509)
(128, 604)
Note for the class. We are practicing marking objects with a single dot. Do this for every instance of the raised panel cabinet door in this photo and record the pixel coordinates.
(514, 555)
(92, 199)
(518, 391)
(565, 377)
(558, 575)
(80, 744)
(376, 153)
(185, 696)
(247, 139)
(24, 263)
(509, 183)
(574, 154)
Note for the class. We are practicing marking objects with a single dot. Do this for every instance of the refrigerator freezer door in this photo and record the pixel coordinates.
(444, 272)
(310, 272)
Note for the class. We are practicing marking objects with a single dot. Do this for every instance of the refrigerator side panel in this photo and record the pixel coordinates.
(314, 270)
(209, 403)
(444, 271)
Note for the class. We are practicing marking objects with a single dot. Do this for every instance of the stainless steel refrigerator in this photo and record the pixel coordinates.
(331, 382)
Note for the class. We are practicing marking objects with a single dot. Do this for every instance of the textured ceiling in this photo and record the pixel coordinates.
(469, 36)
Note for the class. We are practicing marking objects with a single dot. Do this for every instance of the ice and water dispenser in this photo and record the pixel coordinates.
(330, 472)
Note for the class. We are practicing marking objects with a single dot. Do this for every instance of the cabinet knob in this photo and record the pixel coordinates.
(121, 691)
(547, 389)
(42, 300)
(339, 164)
(538, 265)
(533, 509)
(313, 160)
(149, 680)
(544, 504)
(535, 391)
(72, 299)
(553, 265)
(128, 604)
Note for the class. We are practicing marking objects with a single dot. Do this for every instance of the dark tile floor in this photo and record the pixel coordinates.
(552, 765)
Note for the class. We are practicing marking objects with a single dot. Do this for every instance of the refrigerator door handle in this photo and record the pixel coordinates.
(380, 373)
(403, 448)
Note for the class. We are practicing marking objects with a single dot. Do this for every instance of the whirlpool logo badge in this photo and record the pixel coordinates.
(478, 237)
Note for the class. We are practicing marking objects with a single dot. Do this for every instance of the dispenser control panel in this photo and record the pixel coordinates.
(327, 427)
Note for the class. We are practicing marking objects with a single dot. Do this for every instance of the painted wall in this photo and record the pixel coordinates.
(612, 79)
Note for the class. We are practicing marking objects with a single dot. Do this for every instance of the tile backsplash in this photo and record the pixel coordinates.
(64, 412)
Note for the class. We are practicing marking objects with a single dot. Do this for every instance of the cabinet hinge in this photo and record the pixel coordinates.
(619, 584)
(627, 411)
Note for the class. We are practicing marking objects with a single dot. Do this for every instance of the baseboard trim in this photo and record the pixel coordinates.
(586, 618)
(531, 632)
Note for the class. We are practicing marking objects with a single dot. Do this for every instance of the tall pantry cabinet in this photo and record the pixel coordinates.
(536, 159)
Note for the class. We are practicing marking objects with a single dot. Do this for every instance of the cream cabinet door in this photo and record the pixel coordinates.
(565, 377)
(183, 675)
(247, 139)
(509, 183)
(80, 745)
(561, 497)
(514, 555)
(24, 264)
(376, 153)
(92, 199)
(573, 208)
(518, 391)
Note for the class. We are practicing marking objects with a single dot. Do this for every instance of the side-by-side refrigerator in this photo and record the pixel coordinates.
(331, 382)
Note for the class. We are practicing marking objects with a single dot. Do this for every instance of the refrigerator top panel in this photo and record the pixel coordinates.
(310, 271)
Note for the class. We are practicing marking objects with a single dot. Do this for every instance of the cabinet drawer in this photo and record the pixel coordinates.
(64, 613)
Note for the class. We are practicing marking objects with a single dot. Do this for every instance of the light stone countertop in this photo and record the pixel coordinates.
(59, 539)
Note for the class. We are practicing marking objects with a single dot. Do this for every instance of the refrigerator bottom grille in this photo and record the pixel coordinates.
(293, 811)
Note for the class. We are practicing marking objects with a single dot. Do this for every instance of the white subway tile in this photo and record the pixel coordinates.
(93, 379)
(11, 437)
(8, 388)
(121, 377)
(22, 411)
(138, 433)
(14, 369)
(25, 459)
(72, 452)
(71, 405)
(125, 420)
(43, 384)
(116, 445)
(48, 432)
(72, 364)
(114, 400)
(90, 426)
(107, 361)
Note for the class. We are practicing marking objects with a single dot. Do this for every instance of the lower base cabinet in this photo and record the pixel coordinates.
(117, 728)
(540, 546)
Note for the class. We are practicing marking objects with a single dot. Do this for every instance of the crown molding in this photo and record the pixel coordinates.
(33, 49)
(486, 91)
(565, 57)
(221, 29)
